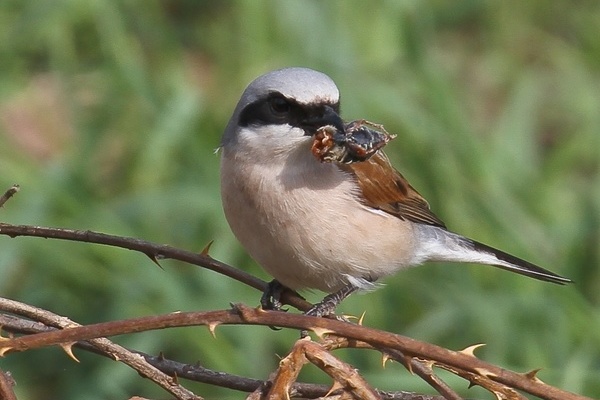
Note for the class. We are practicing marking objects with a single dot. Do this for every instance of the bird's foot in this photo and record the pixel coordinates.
(270, 299)
(327, 306)
(330, 302)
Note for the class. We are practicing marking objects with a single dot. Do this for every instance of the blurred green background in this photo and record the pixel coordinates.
(110, 112)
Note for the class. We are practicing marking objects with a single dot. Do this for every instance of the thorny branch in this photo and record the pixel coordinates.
(102, 344)
(418, 357)
(154, 251)
(172, 368)
(240, 314)
(6, 386)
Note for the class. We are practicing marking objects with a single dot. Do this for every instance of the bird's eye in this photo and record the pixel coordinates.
(280, 106)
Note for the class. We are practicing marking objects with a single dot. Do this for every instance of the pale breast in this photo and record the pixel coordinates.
(303, 222)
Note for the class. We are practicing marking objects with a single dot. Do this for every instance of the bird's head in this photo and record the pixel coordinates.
(282, 109)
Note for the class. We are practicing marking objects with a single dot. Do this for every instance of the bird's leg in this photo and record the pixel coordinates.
(328, 305)
(330, 302)
(270, 299)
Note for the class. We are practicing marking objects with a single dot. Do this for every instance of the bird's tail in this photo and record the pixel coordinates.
(443, 245)
(519, 266)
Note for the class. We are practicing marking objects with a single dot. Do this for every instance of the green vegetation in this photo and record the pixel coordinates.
(110, 112)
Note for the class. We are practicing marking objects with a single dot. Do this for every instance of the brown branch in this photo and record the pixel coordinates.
(8, 194)
(347, 382)
(6, 386)
(154, 251)
(345, 375)
(499, 390)
(422, 369)
(425, 371)
(201, 374)
(417, 356)
(281, 380)
(409, 347)
(105, 346)
(240, 314)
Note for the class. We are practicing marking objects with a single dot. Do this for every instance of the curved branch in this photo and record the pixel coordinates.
(240, 314)
(416, 356)
(199, 373)
(154, 251)
(105, 346)
(6, 386)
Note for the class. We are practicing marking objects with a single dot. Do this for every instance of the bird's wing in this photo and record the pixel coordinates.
(383, 188)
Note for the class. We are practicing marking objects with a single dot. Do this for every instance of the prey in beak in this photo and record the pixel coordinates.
(359, 141)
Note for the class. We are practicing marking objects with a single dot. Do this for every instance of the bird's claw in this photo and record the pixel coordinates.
(270, 299)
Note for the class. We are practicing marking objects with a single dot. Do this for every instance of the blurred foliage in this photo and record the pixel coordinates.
(110, 112)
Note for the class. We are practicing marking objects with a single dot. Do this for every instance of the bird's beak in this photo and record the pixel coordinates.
(328, 117)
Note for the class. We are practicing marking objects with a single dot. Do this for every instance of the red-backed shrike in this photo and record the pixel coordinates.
(327, 225)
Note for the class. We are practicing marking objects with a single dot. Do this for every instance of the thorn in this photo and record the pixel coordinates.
(153, 258)
(321, 332)
(4, 350)
(470, 351)
(175, 379)
(347, 318)
(532, 375)
(161, 356)
(206, 248)
(407, 361)
(385, 357)
(259, 308)
(68, 348)
(211, 328)
(361, 319)
(335, 386)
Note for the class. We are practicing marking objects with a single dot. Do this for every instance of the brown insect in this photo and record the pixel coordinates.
(359, 141)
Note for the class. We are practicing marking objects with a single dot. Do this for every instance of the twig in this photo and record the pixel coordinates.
(414, 365)
(345, 375)
(114, 351)
(282, 379)
(154, 251)
(6, 386)
(419, 367)
(346, 379)
(201, 374)
(8, 194)
(425, 371)
(240, 314)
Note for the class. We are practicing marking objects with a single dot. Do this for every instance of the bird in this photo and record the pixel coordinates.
(330, 226)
